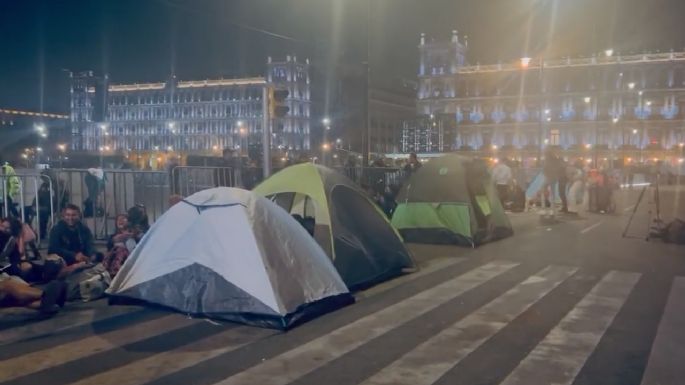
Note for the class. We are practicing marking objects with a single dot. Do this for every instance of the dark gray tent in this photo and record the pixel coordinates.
(231, 254)
(355, 234)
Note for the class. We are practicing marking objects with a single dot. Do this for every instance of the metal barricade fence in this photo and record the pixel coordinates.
(374, 176)
(187, 180)
(25, 204)
(101, 200)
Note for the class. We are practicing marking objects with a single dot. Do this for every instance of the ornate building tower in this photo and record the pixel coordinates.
(83, 101)
(439, 63)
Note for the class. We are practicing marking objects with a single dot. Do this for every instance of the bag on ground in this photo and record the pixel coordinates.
(88, 284)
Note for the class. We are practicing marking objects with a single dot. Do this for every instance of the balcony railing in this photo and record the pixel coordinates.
(570, 62)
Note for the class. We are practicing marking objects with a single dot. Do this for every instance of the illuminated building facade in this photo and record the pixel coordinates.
(188, 117)
(608, 106)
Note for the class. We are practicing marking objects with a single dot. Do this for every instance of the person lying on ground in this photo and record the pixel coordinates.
(17, 293)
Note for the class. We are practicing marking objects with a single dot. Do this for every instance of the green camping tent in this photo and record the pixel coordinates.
(351, 229)
(451, 199)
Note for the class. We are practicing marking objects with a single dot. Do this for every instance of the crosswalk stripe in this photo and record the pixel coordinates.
(432, 359)
(162, 364)
(388, 285)
(558, 358)
(48, 358)
(64, 321)
(665, 365)
(308, 357)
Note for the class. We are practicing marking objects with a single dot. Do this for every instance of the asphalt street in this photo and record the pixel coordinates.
(569, 302)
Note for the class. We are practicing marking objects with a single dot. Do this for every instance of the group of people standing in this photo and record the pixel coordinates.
(574, 183)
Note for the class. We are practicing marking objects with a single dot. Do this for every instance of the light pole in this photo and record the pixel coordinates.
(623, 141)
(325, 147)
(243, 137)
(103, 132)
(62, 148)
(366, 137)
(326, 127)
(42, 134)
(525, 63)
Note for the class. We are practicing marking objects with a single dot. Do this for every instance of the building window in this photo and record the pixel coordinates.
(554, 137)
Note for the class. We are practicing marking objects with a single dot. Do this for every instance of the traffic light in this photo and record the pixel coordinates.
(277, 106)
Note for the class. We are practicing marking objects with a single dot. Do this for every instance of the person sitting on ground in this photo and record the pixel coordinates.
(121, 234)
(12, 256)
(137, 220)
(15, 292)
(119, 246)
(70, 239)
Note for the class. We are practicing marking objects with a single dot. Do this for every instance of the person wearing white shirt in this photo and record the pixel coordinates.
(502, 176)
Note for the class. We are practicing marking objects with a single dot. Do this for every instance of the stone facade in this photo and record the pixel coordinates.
(620, 105)
(188, 117)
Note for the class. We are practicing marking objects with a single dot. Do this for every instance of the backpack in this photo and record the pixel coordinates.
(675, 232)
(88, 284)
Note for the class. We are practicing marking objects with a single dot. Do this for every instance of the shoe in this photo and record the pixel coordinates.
(62, 298)
(51, 294)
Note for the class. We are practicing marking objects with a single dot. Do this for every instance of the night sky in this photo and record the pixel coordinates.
(145, 40)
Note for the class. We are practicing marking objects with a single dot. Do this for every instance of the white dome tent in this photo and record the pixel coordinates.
(228, 253)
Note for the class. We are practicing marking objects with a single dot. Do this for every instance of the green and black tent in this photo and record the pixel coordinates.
(451, 200)
(351, 229)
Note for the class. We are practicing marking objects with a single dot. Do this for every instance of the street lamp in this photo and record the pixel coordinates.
(525, 61)
(325, 148)
(326, 121)
(587, 100)
(609, 52)
(62, 148)
(243, 136)
(631, 86)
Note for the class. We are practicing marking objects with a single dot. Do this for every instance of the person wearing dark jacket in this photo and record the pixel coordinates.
(70, 239)
(554, 170)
